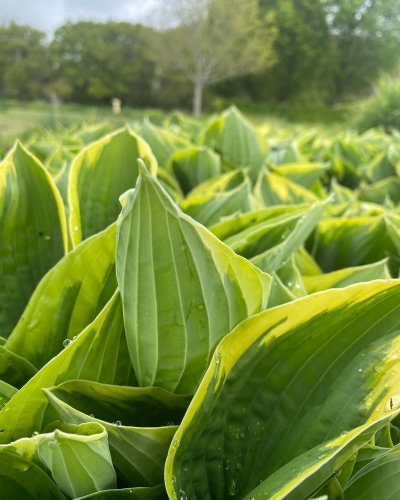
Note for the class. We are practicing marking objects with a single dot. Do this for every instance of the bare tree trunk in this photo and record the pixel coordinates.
(198, 99)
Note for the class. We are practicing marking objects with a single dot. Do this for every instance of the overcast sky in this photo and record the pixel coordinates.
(47, 15)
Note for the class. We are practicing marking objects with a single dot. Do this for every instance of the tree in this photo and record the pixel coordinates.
(213, 40)
(24, 64)
(303, 48)
(104, 60)
(366, 34)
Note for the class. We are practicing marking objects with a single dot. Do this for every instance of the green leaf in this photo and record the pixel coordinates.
(20, 478)
(67, 299)
(99, 353)
(347, 276)
(194, 165)
(236, 223)
(153, 493)
(7, 391)
(32, 231)
(14, 369)
(162, 142)
(379, 479)
(267, 408)
(367, 454)
(182, 289)
(305, 174)
(99, 175)
(76, 456)
(140, 423)
(348, 242)
(273, 189)
(291, 240)
(380, 191)
(238, 143)
(210, 208)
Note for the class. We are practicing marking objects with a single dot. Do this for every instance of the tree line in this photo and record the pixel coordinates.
(281, 51)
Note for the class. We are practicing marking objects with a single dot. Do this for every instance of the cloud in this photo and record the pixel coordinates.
(47, 15)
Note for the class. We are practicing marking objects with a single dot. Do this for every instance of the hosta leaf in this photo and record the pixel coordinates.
(236, 223)
(76, 456)
(20, 478)
(163, 142)
(379, 168)
(193, 166)
(305, 263)
(305, 174)
(211, 208)
(348, 242)
(367, 454)
(99, 353)
(305, 473)
(99, 175)
(7, 391)
(14, 369)
(140, 423)
(273, 258)
(379, 479)
(182, 289)
(273, 390)
(347, 276)
(169, 183)
(151, 493)
(221, 183)
(238, 143)
(67, 299)
(274, 189)
(380, 191)
(32, 231)
(280, 293)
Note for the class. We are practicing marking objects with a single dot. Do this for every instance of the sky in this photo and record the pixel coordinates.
(47, 15)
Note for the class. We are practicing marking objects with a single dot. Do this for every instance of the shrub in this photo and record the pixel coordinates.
(383, 108)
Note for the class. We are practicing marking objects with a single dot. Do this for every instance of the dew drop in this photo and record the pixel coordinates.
(232, 488)
(35, 433)
(118, 423)
(182, 495)
(67, 342)
(360, 369)
(91, 415)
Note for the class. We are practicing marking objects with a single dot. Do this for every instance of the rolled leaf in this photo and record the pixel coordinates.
(182, 289)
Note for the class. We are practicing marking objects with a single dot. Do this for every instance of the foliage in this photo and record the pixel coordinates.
(231, 331)
(383, 108)
(213, 40)
(303, 52)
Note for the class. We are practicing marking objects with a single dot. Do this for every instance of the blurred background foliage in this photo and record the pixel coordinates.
(321, 61)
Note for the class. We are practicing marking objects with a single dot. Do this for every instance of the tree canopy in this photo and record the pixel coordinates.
(286, 51)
